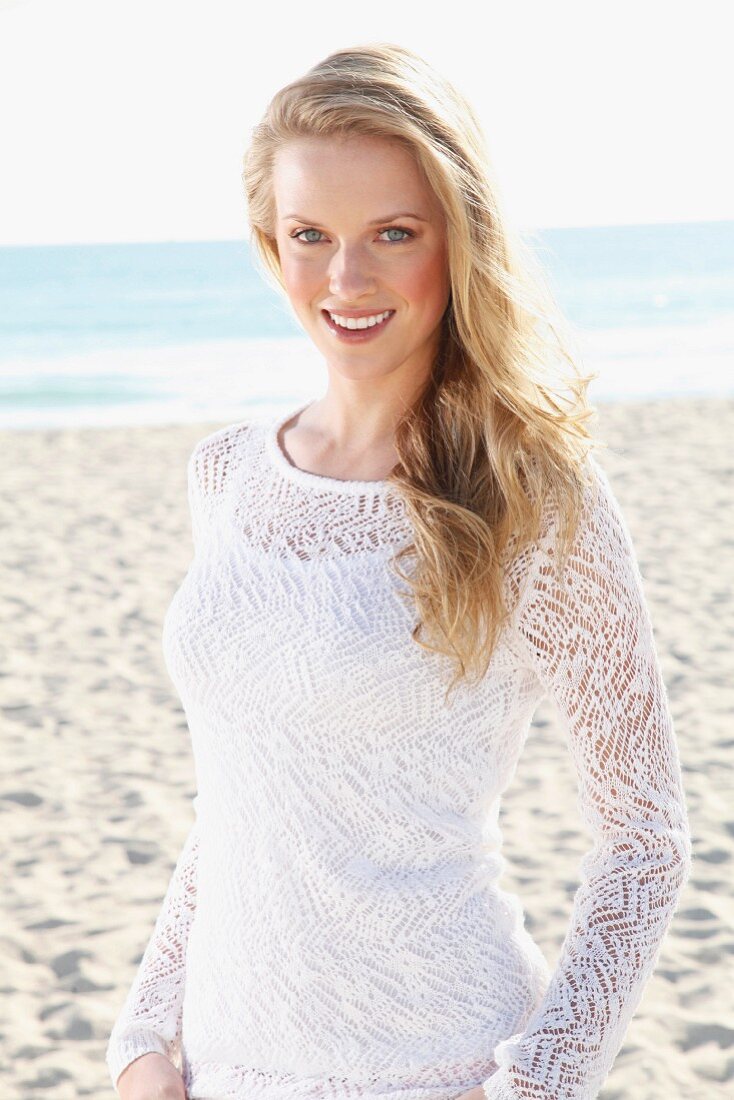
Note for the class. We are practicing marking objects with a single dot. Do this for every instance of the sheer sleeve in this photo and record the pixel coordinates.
(588, 638)
(150, 1019)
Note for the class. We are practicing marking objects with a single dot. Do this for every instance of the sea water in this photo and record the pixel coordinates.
(194, 331)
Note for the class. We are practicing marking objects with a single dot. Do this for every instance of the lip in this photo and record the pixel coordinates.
(357, 312)
(356, 335)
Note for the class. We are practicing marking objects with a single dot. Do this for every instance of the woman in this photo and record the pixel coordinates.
(386, 581)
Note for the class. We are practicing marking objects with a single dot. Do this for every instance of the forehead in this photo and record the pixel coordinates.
(354, 168)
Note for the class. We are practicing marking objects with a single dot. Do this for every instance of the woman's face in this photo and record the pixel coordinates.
(358, 230)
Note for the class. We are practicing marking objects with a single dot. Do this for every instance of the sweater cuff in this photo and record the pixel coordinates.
(133, 1045)
(503, 1085)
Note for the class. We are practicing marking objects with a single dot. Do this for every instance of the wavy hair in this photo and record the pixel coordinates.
(499, 430)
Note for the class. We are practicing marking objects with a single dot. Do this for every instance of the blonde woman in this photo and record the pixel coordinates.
(386, 581)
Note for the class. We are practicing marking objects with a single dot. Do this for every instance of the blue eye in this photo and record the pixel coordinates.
(391, 229)
(298, 237)
(397, 229)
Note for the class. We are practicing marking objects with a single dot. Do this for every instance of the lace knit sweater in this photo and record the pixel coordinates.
(334, 926)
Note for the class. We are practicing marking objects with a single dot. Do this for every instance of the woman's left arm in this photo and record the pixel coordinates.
(588, 637)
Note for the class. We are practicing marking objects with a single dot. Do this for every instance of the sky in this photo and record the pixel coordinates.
(126, 120)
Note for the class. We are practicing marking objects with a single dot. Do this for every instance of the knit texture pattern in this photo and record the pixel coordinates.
(334, 926)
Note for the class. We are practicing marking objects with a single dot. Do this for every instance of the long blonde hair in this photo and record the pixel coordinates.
(492, 438)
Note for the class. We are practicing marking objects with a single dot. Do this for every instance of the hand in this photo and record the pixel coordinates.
(151, 1077)
(473, 1094)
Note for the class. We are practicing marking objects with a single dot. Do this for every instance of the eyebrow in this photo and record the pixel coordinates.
(377, 221)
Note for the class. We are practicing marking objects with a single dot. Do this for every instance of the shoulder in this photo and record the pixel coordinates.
(601, 570)
(579, 605)
(602, 524)
(597, 553)
(599, 517)
(215, 457)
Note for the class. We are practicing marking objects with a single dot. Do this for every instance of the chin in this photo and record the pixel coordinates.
(358, 372)
(358, 358)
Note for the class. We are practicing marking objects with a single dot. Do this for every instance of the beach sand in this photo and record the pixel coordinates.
(95, 799)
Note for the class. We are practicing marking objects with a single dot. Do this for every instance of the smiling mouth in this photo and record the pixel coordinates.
(362, 333)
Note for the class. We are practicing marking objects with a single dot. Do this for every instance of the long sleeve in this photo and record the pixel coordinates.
(150, 1019)
(588, 638)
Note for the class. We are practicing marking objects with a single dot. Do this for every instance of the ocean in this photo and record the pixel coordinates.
(171, 332)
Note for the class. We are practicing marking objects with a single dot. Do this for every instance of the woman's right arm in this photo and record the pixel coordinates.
(149, 1024)
(150, 1019)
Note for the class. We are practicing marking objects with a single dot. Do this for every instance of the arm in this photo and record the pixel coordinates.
(589, 639)
(150, 1019)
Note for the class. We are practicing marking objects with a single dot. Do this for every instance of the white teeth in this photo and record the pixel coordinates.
(359, 322)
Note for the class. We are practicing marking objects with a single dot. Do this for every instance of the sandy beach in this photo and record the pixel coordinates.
(95, 799)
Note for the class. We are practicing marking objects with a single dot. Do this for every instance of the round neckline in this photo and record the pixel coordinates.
(305, 478)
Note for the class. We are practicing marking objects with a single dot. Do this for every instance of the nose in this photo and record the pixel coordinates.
(350, 274)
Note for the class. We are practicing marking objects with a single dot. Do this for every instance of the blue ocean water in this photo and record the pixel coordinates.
(160, 332)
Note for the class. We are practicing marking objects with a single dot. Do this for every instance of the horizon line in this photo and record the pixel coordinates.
(81, 243)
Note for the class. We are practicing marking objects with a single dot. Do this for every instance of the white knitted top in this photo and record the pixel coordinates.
(333, 927)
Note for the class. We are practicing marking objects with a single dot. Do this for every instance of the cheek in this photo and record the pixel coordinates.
(301, 279)
(426, 283)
